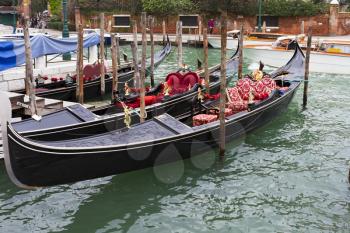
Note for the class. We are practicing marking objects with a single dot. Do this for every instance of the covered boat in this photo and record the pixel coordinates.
(77, 121)
(161, 140)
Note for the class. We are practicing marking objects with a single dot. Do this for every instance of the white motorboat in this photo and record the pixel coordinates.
(232, 41)
(19, 34)
(332, 56)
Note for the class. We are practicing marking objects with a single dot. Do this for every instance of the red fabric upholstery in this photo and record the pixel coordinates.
(245, 88)
(190, 78)
(202, 119)
(244, 80)
(179, 83)
(234, 94)
(54, 79)
(149, 100)
(238, 106)
(269, 83)
(260, 87)
(93, 71)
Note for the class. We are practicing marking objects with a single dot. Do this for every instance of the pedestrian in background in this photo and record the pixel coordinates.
(211, 24)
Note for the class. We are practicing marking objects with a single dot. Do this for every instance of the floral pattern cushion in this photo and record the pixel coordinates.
(202, 119)
(233, 94)
(238, 106)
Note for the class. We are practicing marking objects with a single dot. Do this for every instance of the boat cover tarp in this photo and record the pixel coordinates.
(12, 53)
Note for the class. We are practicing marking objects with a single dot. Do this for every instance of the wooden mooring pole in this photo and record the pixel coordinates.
(240, 53)
(80, 64)
(164, 31)
(114, 66)
(118, 50)
(307, 64)
(179, 43)
(151, 27)
(102, 53)
(135, 56)
(223, 83)
(143, 66)
(29, 80)
(206, 65)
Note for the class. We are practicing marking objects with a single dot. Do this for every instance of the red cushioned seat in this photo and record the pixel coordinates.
(179, 83)
(233, 94)
(202, 119)
(245, 89)
(238, 106)
(190, 79)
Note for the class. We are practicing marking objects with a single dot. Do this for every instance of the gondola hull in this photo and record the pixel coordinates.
(177, 107)
(36, 165)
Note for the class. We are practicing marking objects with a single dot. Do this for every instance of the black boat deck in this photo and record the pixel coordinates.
(160, 127)
(70, 115)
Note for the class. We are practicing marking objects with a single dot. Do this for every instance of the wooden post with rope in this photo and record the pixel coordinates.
(151, 27)
(223, 83)
(206, 65)
(164, 31)
(307, 65)
(143, 66)
(135, 56)
(179, 43)
(240, 53)
(102, 53)
(114, 65)
(80, 64)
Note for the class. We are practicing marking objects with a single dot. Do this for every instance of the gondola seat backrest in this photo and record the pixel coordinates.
(179, 83)
(190, 78)
(92, 71)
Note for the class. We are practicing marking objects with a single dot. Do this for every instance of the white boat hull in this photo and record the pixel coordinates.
(319, 62)
(215, 42)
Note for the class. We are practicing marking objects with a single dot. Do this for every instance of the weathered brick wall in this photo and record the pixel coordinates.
(344, 23)
(322, 24)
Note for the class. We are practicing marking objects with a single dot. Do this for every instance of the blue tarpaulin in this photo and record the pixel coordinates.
(12, 53)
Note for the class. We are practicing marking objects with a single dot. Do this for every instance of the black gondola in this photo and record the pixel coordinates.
(76, 121)
(161, 140)
(65, 89)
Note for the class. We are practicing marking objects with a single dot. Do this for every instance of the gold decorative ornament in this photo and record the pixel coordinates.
(126, 89)
(200, 95)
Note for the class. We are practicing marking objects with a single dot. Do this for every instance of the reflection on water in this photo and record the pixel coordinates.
(288, 176)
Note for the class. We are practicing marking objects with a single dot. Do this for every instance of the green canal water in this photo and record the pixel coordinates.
(289, 176)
